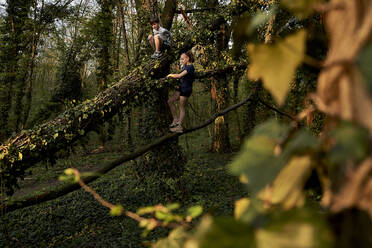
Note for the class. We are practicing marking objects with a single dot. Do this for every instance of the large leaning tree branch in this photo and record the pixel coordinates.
(61, 191)
(25, 149)
(28, 147)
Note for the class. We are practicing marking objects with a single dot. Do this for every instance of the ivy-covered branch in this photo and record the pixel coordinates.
(61, 191)
(42, 142)
(30, 146)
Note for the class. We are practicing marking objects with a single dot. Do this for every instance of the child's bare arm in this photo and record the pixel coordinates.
(179, 75)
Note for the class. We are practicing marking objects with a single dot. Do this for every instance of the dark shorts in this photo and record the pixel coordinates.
(184, 93)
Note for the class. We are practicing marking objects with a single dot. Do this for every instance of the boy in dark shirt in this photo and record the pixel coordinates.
(161, 39)
(183, 92)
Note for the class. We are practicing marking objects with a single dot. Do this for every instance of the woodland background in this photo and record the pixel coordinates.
(277, 144)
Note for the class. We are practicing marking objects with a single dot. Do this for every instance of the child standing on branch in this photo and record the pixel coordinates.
(183, 92)
(161, 40)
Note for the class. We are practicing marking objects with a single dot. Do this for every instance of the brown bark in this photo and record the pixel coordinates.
(221, 138)
(249, 115)
(168, 13)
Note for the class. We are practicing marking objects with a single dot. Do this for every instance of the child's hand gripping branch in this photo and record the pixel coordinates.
(161, 40)
(183, 92)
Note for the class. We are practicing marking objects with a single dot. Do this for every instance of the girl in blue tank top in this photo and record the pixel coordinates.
(183, 92)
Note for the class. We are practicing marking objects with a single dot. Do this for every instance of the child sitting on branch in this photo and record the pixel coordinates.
(161, 40)
(183, 92)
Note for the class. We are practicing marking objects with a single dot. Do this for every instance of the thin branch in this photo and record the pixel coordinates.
(276, 110)
(196, 10)
(127, 213)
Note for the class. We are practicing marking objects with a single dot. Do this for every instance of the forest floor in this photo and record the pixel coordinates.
(77, 220)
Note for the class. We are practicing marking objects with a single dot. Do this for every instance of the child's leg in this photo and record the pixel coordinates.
(151, 41)
(172, 108)
(158, 43)
(183, 102)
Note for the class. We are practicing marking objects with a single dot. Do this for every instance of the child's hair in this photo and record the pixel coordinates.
(190, 55)
(154, 19)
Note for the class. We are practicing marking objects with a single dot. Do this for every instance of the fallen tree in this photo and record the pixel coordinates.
(9, 206)
(42, 142)
(14, 204)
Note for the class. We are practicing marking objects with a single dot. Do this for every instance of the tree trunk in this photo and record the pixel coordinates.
(249, 115)
(104, 70)
(236, 79)
(221, 139)
(168, 13)
(26, 112)
(142, 17)
(161, 168)
(124, 30)
(164, 164)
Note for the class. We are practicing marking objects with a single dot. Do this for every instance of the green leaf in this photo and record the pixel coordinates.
(300, 228)
(20, 156)
(227, 232)
(302, 142)
(287, 188)
(276, 64)
(175, 239)
(116, 211)
(256, 159)
(66, 178)
(163, 216)
(364, 61)
(69, 171)
(194, 211)
(301, 8)
(173, 206)
(241, 206)
(351, 143)
(146, 210)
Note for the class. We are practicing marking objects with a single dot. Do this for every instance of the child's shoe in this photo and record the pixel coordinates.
(156, 55)
(177, 129)
(174, 123)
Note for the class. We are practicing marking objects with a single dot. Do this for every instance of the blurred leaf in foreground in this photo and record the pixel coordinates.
(175, 239)
(227, 232)
(300, 228)
(276, 64)
(257, 160)
(351, 143)
(287, 189)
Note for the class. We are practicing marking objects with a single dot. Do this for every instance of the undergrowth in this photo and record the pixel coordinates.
(77, 220)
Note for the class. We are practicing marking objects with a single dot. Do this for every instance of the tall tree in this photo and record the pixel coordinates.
(165, 164)
(104, 43)
(13, 43)
(221, 138)
(124, 32)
